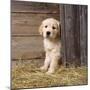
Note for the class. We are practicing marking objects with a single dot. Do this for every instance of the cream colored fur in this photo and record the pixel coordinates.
(52, 44)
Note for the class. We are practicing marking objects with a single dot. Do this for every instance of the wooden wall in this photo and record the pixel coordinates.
(26, 19)
(28, 44)
(74, 34)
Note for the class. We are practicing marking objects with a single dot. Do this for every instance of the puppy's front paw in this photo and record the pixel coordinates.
(43, 68)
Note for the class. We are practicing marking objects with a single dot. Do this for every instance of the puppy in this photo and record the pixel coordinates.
(50, 30)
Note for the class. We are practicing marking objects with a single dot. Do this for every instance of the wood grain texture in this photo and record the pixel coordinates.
(32, 7)
(27, 47)
(74, 34)
(83, 34)
(69, 28)
(63, 39)
(28, 24)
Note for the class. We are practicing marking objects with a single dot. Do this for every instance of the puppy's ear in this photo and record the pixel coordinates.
(40, 29)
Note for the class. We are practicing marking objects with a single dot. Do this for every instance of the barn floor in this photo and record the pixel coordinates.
(26, 74)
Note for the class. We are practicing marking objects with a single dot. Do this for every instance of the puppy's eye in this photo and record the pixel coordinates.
(53, 27)
(46, 26)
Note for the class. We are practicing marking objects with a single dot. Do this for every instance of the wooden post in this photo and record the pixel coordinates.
(63, 39)
(74, 34)
(83, 34)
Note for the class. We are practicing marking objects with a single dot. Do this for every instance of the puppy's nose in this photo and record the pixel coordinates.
(48, 33)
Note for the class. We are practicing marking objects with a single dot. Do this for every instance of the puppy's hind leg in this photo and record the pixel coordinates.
(46, 63)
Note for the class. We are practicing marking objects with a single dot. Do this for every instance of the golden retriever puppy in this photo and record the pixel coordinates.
(50, 30)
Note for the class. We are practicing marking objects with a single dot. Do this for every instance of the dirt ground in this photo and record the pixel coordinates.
(26, 74)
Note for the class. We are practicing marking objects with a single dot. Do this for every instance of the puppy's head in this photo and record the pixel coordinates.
(50, 28)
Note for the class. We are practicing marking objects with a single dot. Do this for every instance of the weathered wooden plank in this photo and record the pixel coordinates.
(34, 7)
(63, 39)
(74, 34)
(72, 29)
(27, 47)
(83, 34)
(69, 27)
(28, 23)
(77, 35)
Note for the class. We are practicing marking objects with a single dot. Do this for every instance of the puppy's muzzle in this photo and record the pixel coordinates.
(48, 33)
